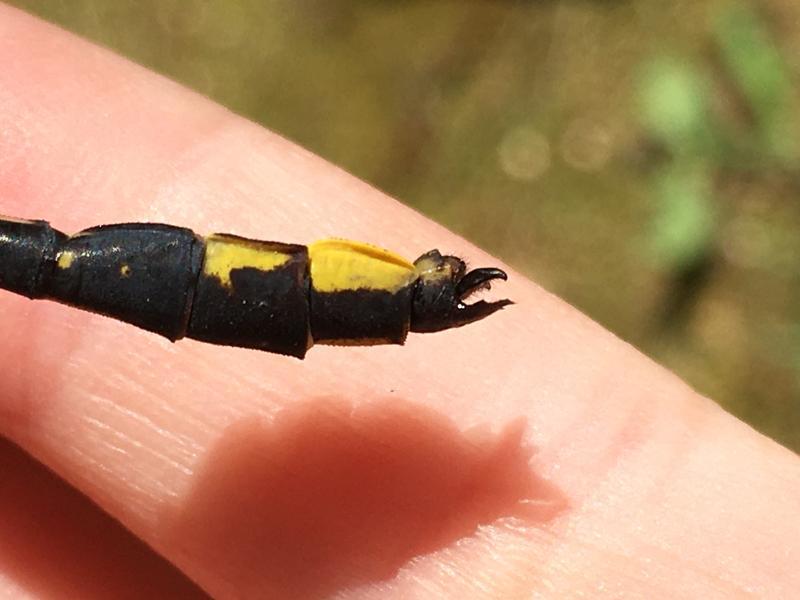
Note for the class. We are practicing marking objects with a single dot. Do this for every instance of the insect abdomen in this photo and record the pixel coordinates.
(360, 294)
(142, 274)
(27, 249)
(234, 291)
(253, 294)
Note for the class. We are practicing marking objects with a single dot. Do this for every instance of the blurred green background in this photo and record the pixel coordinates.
(639, 158)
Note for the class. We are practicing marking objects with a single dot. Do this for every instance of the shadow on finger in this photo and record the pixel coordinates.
(326, 497)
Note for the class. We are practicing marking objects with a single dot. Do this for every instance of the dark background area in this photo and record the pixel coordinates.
(639, 158)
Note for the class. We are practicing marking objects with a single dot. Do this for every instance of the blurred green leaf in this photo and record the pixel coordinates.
(674, 106)
(685, 222)
(756, 65)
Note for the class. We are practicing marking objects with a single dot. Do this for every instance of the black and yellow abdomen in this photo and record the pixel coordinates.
(234, 291)
(359, 294)
(252, 294)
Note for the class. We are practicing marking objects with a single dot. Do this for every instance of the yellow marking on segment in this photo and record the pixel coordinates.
(125, 271)
(65, 259)
(225, 254)
(431, 269)
(338, 265)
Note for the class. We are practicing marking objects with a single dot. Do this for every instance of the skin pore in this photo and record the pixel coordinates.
(530, 455)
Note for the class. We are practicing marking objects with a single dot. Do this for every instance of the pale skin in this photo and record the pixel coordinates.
(531, 455)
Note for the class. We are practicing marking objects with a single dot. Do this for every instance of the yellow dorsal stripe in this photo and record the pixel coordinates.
(338, 265)
(225, 254)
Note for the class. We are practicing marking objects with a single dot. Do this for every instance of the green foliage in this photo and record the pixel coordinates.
(757, 68)
(685, 224)
(674, 105)
(676, 109)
